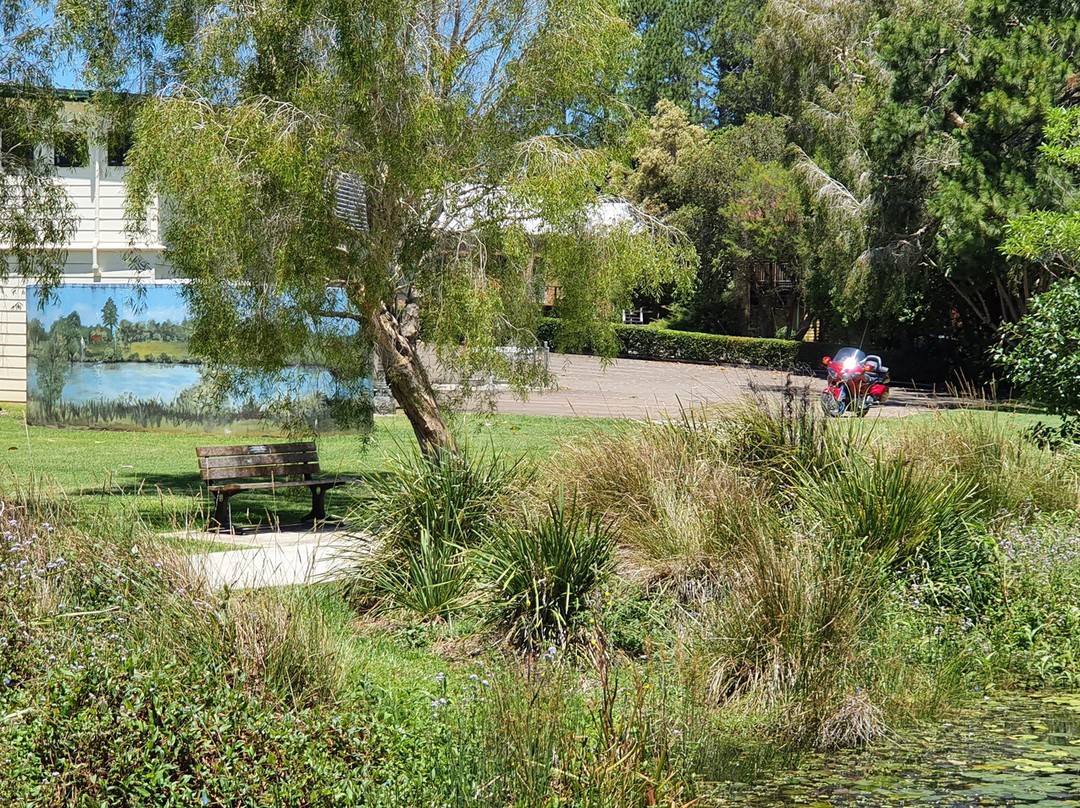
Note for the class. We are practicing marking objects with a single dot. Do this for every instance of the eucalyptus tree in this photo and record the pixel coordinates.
(342, 174)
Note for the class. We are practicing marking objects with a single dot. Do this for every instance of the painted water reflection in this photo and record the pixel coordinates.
(158, 381)
(1022, 751)
(87, 381)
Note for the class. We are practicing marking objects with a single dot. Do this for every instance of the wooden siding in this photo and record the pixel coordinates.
(95, 253)
(13, 343)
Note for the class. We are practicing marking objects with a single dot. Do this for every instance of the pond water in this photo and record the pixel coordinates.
(1020, 751)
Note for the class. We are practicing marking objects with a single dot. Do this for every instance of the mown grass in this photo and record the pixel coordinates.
(154, 476)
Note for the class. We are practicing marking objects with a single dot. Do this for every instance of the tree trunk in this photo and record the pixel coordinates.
(395, 341)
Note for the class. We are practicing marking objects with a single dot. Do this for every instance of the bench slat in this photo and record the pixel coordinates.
(256, 449)
(292, 470)
(242, 461)
(237, 487)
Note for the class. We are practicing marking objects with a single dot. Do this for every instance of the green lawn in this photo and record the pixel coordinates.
(153, 476)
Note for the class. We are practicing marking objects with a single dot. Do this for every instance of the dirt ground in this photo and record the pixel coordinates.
(638, 388)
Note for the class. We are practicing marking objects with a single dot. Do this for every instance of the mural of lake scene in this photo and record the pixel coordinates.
(110, 355)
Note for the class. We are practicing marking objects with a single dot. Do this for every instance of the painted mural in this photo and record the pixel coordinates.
(112, 355)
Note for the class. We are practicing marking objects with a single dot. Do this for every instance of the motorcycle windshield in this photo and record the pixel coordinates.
(849, 357)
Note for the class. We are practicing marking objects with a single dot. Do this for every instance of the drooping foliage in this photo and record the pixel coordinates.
(456, 123)
(36, 216)
(913, 131)
(919, 125)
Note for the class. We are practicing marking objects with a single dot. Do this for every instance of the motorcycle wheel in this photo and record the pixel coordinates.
(866, 403)
(832, 407)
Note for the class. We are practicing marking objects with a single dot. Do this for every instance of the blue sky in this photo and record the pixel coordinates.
(160, 303)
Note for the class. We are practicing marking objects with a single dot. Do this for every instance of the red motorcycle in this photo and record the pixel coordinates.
(855, 381)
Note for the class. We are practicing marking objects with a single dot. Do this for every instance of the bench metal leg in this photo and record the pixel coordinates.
(222, 518)
(318, 505)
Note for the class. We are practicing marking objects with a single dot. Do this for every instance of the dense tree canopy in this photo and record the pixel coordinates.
(731, 192)
(913, 130)
(878, 149)
(699, 55)
(1041, 352)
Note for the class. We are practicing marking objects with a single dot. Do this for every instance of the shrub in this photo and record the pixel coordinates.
(123, 683)
(541, 574)
(532, 737)
(1035, 633)
(691, 346)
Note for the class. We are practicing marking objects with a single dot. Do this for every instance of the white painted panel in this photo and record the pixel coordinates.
(13, 342)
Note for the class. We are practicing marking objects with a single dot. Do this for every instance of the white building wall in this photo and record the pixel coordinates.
(96, 254)
(13, 342)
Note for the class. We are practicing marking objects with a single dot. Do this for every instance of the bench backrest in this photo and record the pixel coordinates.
(260, 460)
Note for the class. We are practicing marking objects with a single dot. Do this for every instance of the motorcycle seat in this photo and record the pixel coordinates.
(879, 369)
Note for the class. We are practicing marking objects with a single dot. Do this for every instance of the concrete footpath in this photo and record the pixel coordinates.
(278, 558)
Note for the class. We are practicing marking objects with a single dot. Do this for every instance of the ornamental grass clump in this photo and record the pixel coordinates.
(542, 573)
(776, 438)
(789, 640)
(1009, 473)
(420, 521)
(882, 509)
(676, 507)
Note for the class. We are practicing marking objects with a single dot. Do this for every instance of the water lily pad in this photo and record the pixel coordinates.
(1029, 765)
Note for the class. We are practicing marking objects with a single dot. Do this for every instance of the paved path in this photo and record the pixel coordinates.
(282, 558)
(629, 388)
(638, 388)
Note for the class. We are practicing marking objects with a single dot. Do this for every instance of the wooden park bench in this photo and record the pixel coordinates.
(230, 470)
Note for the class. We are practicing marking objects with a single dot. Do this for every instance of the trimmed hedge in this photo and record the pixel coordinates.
(643, 342)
